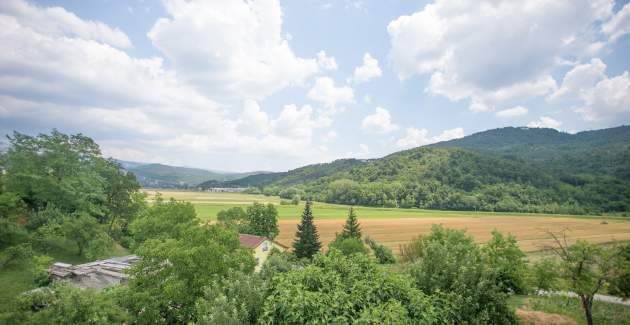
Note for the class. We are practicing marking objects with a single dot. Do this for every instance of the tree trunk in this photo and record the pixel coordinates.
(587, 305)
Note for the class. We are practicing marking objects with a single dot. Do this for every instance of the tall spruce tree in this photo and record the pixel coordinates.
(307, 241)
(351, 229)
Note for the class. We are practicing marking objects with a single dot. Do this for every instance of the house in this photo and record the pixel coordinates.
(262, 247)
(97, 275)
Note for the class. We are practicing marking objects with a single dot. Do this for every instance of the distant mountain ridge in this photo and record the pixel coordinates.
(602, 152)
(165, 176)
(507, 169)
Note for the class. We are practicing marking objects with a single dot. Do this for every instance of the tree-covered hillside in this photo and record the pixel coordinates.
(602, 152)
(509, 169)
(165, 176)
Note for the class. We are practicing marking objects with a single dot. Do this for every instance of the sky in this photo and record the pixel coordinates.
(274, 85)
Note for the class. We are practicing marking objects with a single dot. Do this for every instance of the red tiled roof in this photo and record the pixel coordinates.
(251, 241)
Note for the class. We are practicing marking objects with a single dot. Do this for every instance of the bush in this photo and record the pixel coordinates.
(543, 275)
(412, 251)
(452, 266)
(16, 254)
(345, 289)
(235, 299)
(348, 246)
(383, 254)
(64, 304)
(505, 258)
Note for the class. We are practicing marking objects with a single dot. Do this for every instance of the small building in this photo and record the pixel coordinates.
(262, 247)
(97, 275)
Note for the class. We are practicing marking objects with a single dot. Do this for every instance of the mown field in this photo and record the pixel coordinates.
(393, 226)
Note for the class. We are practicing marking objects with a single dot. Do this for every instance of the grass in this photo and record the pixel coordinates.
(17, 278)
(208, 204)
(603, 312)
(394, 226)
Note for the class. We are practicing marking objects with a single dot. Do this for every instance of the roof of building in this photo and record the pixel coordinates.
(95, 274)
(253, 241)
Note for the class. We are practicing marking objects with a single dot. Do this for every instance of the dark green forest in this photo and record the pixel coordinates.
(509, 169)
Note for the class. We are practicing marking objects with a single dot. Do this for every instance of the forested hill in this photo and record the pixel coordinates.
(295, 176)
(165, 176)
(510, 169)
(602, 152)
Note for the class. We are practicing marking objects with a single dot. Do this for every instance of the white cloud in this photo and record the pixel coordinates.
(380, 122)
(137, 105)
(545, 122)
(603, 98)
(580, 79)
(326, 62)
(420, 137)
(451, 134)
(56, 21)
(368, 71)
(619, 24)
(511, 53)
(330, 136)
(512, 112)
(608, 99)
(414, 138)
(326, 92)
(231, 48)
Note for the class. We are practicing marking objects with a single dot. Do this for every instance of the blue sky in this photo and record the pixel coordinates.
(273, 85)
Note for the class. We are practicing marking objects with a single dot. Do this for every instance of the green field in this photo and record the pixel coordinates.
(208, 204)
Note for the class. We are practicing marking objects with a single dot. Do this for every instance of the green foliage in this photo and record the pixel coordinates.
(235, 299)
(544, 275)
(382, 253)
(342, 289)
(173, 272)
(163, 219)
(452, 266)
(64, 304)
(412, 251)
(505, 258)
(348, 246)
(387, 313)
(278, 262)
(262, 220)
(11, 208)
(87, 234)
(306, 243)
(620, 283)
(586, 269)
(15, 254)
(351, 229)
(233, 217)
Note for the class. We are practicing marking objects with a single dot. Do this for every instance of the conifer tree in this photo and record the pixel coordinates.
(306, 243)
(351, 229)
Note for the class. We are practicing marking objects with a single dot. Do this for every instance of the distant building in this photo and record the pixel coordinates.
(97, 275)
(262, 247)
(227, 189)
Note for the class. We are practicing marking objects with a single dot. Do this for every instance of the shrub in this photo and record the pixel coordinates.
(412, 251)
(348, 246)
(383, 254)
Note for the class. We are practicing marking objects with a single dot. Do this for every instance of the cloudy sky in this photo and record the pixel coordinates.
(273, 85)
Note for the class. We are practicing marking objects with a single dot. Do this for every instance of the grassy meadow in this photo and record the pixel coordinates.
(394, 226)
